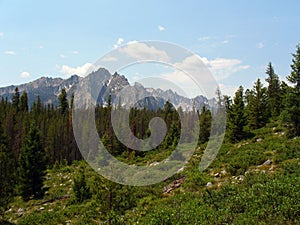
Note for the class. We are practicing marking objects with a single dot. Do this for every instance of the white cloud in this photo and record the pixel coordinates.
(119, 42)
(1, 34)
(142, 51)
(260, 45)
(161, 28)
(225, 42)
(223, 68)
(80, 70)
(75, 52)
(24, 74)
(62, 56)
(9, 53)
(41, 46)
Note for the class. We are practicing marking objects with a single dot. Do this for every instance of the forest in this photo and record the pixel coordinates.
(253, 180)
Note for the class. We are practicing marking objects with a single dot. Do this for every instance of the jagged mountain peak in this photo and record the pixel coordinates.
(108, 85)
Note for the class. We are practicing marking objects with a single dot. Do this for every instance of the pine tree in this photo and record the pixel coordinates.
(63, 102)
(24, 102)
(7, 174)
(257, 106)
(205, 125)
(236, 117)
(32, 165)
(273, 92)
(293, 96)
(294, 77)
(80, 188)
(16, 99)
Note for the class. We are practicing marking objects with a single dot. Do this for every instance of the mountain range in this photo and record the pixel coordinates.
(109, 85)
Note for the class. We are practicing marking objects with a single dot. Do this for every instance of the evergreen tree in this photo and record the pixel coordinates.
(63, 102)
(24, 102)
(293, 96)
(294, 77)
(32, 165)
(236, 117)
(80, 188)
(257, 107)
(205, 125)
(7, 174)
(273, 92)
(16, 99)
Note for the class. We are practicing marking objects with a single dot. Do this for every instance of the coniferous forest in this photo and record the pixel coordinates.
(253, 180)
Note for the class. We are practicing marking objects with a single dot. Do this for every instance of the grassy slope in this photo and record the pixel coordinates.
(243, 191)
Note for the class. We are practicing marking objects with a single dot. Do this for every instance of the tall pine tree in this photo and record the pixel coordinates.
(32, 165)
(273, 92)
(293, 97)
(257, 106)
(63, 102)
(236, 117)
(205, 125)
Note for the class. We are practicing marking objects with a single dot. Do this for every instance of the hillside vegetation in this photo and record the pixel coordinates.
(255, 181)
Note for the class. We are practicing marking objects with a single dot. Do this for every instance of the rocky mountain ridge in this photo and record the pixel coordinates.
(109, 85)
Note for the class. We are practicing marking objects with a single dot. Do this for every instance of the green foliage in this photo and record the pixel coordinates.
(236, 117)
(258, 200)
(294, 77)
(257, 106)
(205, 125)
(274, 92)
(24, 102)
(80, 188)
(32, 165)
(16, 99)
(7, 173)
(293, 97)
(63, 102)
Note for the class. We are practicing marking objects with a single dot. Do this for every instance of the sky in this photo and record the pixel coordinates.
(235, 39)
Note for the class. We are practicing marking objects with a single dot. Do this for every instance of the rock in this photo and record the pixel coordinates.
(42, 208)
(175, 184)
(259, 140)
(154, 164)
(268, 162)
(240, 177)
(217, 175)
(20, 212)
(223, 172)
(180, 170)
(209, 184)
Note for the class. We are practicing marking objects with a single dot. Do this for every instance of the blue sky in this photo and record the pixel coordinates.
(236, 39)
